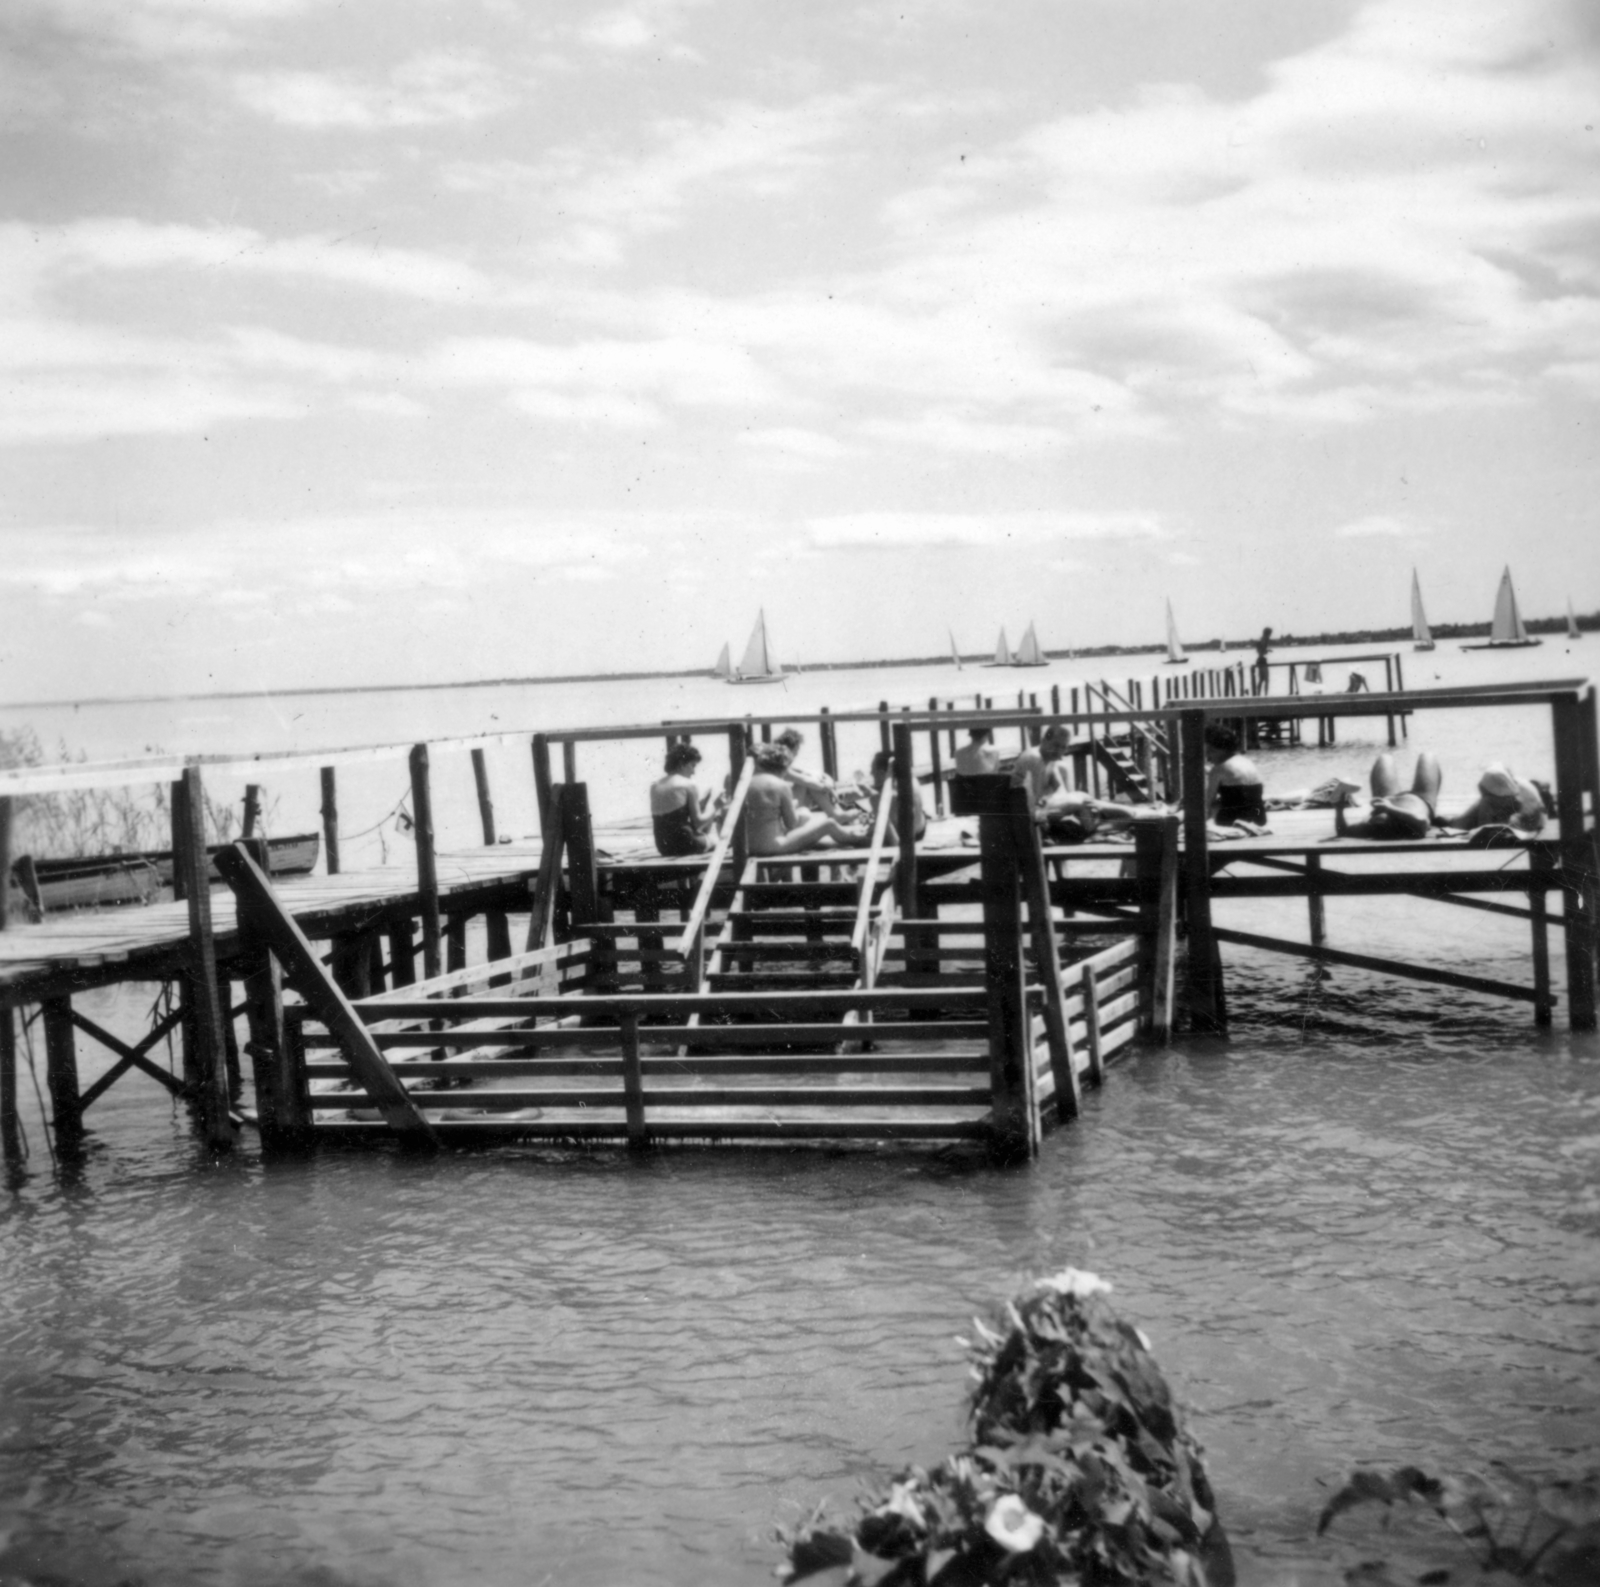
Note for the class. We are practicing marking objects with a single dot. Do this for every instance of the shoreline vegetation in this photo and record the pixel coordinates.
(1588, 623)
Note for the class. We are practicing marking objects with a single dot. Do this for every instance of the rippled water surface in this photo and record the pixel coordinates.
(1363, 1228)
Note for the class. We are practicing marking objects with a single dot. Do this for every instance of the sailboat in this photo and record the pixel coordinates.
(1506, 631)
(724, 666)
(955, 654)
(1175, 655)
(1028, 653)
(1573, 631)
(1421, 634)
(759, 664)
(1002, 653)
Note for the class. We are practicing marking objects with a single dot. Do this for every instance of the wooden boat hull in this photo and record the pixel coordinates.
(90, 882)
(769, 677)
(1505, 644)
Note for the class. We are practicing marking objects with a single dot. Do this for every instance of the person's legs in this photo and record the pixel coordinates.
(1385, 778)
(817, 829)
(1429, 779)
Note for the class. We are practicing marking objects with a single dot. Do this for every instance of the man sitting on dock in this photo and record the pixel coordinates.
(978, 757)
(883, 772)
(681, 827)
(1066, 814)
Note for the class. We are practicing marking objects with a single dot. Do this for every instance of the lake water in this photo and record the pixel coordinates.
(1365, 1227)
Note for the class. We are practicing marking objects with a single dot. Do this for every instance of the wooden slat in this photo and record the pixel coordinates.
(703, 1066)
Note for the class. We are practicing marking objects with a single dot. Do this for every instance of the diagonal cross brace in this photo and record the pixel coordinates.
(263, 917)
(129, 1057)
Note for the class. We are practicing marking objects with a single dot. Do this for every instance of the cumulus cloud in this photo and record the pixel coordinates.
(1380, 526)
(426, 90)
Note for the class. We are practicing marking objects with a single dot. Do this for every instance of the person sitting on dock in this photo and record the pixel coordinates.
(813, 790)
(1395, 814)
(978, 757)
(882, 772)
(774, 825)
(681, 827)
(1234, 792)
(1065, 814)
(1504, 799)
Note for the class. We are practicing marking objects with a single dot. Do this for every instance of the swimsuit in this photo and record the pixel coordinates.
(1240, 801)
(677, 834)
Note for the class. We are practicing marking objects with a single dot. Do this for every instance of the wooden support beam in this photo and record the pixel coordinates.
(1573, 736)
(633, 1082)
(1041, 929)
(330, 820)
(828, 734)
(1156, 862)
(1316, 910)
(569, 761)
(129, 1057)
(180, 847)
(736, 757)
(402, 954)
(1014, 1114)
(1540, 868)
(427, 870)
(61, 1068)
(480, 776)
(5, 861)
(272, 925)
(905, 795)
(252, 810)
(936, 759)
(10, 1120)
(212, 1098)
(1091, 1025)
(542, 783)
(1207, 1011)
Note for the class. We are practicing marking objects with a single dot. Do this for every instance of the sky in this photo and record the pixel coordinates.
(346, 342)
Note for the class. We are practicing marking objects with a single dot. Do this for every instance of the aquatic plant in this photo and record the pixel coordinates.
(1517, 1528)
(1078, 1470)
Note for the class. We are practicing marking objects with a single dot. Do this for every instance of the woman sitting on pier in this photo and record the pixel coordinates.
(773, 825)
(681, 827)
(813, 790)
(1395, 814)
(1504, 799)
(1233, 788)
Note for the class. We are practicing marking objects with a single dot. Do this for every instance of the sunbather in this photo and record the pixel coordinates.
(1395, 813)
(1504, 799)
(681, 826)
(1233, 787)
(774, 825)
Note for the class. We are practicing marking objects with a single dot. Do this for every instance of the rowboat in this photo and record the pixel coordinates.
(93, 881)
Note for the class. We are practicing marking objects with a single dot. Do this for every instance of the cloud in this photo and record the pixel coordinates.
(427, 90)
(792, 444)
(893, 531)
(1380, 526)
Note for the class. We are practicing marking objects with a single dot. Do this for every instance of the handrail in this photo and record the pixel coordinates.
(869, 871)
(1110, 694)
(730, 824)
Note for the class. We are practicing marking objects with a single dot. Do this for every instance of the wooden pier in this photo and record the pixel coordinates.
(942, 990)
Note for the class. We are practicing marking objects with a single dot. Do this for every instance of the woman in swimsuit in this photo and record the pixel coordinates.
(773, 825)
(1395, 814)
(813, 790)
(675, 812)
(1504, 799)
(1233, 788)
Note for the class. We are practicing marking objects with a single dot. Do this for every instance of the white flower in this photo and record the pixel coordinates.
(1013, 1525)
(1079, 1285)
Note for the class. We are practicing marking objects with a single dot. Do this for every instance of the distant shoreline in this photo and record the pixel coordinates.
(1441, 631)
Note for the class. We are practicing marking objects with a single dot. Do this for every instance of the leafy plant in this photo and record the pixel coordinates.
(1078, 1470)
(1520, 1528)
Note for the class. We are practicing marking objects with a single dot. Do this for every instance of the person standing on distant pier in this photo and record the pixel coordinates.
(1261, 672)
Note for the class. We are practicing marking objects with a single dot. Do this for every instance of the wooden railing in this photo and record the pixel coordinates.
(695, 922)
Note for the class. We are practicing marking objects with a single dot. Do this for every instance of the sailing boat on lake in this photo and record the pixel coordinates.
(1002, 653)
(759, 664)
(1573, 631)
(1506, 631)
(1175, 655)
(1028, 653)
(724, 666)
(1421, 634)
(955, 654)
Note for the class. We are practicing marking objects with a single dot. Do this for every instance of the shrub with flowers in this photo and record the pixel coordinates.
(1078, 1470)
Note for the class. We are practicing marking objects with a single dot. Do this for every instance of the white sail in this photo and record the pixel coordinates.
(759, 665)
(1420, 632)
(724, 666)
(1002, 651)
(955, 653)
(1507, 628)
(1028, 652)
(1174, 648)
(1573, 631)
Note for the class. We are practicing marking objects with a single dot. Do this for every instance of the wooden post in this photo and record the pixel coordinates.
(905, 794)
(402, 954)
(1042, 931)
(936, 760)
(180, 845)
(827, 733)
(884, 736)
(1539, 879)
(252, 811)
(542, 782)
(206, 1012)
(1014, 1117)
(330, 820)
(5, 861)
(583, 882)
(1089, 983)
(741, 842)
(427, 871)
(1204, 995)
(283, 1111)
(61, 1064)
(496, 926)
(1572, 737)
(569, 761)
(632, 1081)
(1156, 865)
(10, 1125)
(1315, 905)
